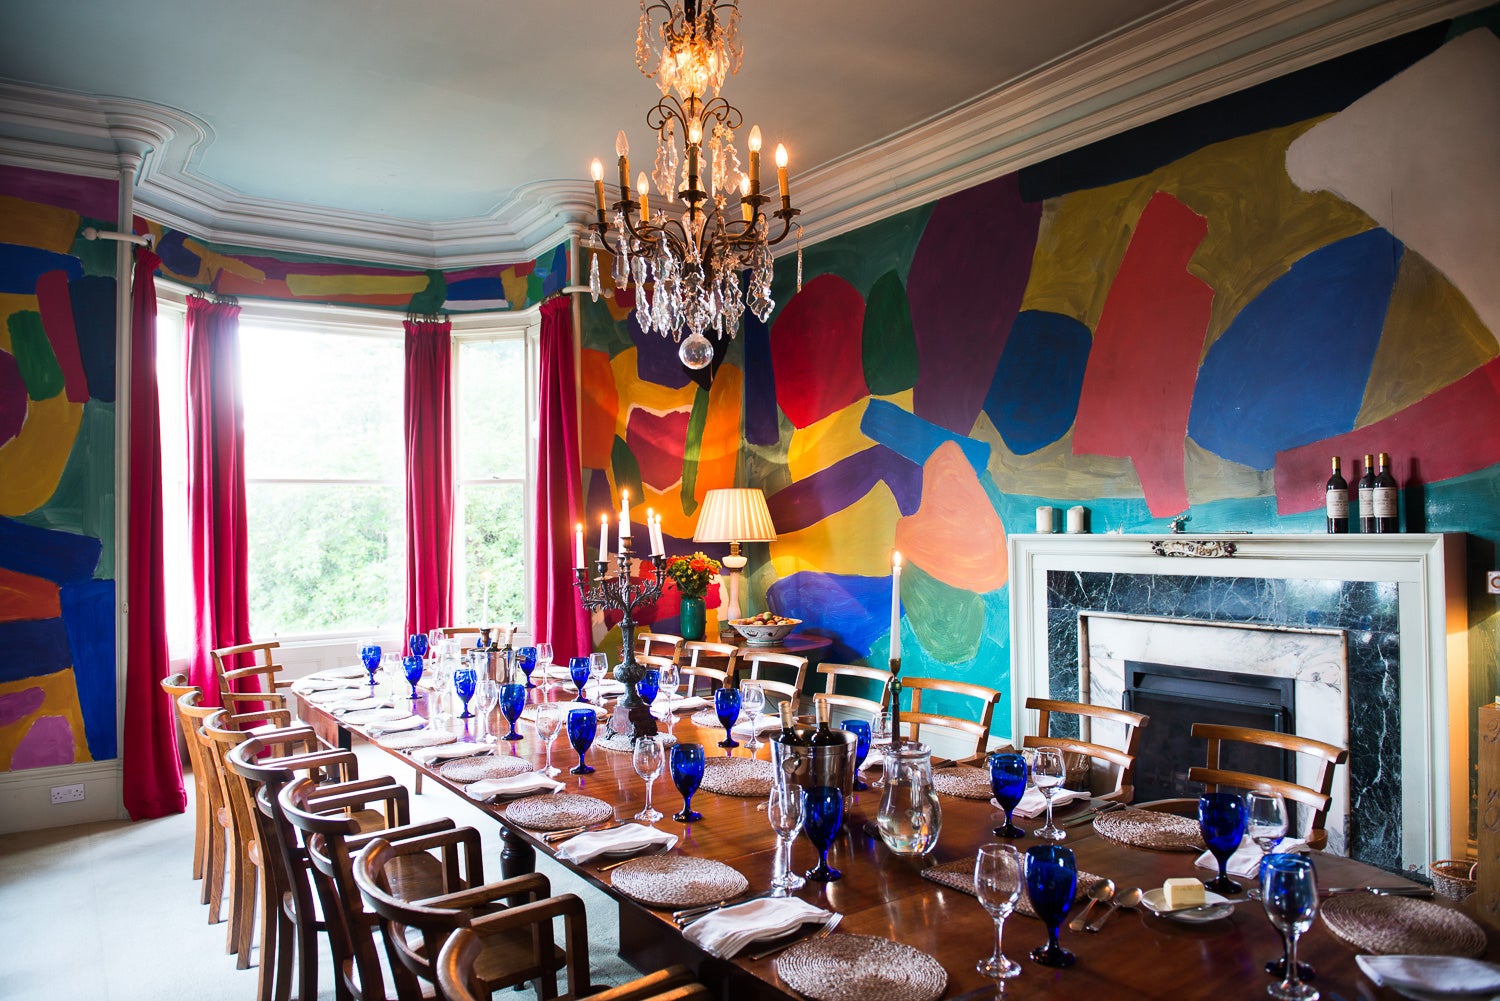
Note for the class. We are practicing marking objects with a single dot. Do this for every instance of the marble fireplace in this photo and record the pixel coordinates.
(1369, 633)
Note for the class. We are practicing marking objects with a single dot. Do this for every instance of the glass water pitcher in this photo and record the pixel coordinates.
(910, 816)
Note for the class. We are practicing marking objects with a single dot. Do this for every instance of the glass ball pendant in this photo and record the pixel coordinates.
(696, 351)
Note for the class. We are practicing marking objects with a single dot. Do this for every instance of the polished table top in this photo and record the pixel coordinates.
(1136, 955)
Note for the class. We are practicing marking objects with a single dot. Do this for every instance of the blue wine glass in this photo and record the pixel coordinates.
(370, 655)
(582, 724)
(648, 686)
(417, 644)
(465, 680)
(413, 667)
(1221, 821)
(512, 701)
(578, 670)
(861, 730)
(1289, 892)
(727, 707)
(526, 659)
(1051, 884)
(822, 813)
(686, 762)
(1008, 783)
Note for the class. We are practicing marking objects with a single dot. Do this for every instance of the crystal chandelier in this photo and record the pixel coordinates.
(686, 257)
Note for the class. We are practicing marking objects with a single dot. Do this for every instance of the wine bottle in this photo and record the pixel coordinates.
(1384, 497)
(823, 736)
(788, 735)
(1367, 496)
(1336, 500)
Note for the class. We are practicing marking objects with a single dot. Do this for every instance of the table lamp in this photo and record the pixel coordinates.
(734, 515)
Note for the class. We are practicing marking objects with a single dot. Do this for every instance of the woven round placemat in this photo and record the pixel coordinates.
(1163, 832)
(710, 719)
(1401, 925)
(737, 776)
(678, 881)
(861, 968)
(362, 716)
(553, 812)
(406, 740)
(474, 769)
(959, 874)
(963, 782)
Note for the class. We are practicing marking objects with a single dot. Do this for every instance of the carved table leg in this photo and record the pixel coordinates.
(517, 857)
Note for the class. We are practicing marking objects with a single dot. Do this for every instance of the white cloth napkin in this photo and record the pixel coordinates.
(447, 752)
(512, 785)
(729, 929)
(762, 724)
(377, 728)
(680, 704)
(1034, 804)
(627, 838)
(354, 705)
(331, 691)
(1245, 861)
(1437, 974)
(530, 711)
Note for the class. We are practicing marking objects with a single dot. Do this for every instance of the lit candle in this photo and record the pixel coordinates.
(661, 545)
(755, 159)
(786, 197)
(578, 546)
(643, 188)
(896, 607)
(694, 137)
(746, 209)
(622, 150)
(603, 537)
(624, 514)
(596, 169)
(650, 532)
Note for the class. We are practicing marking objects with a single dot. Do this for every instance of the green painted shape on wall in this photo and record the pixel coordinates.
(627, 471)
(600, 331)
(430, 300)
(97, 256)
(39, 368)
(692, 449)
(84, 501)
(859, 258)
(948, 622)
(534, 290)
(889, 344)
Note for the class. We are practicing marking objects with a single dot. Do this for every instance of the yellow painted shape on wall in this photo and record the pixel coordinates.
(856, 540)
(1210, 477)
(12, 302)
(32, 462)
(1432, 337)
(326, 285)
(515, 286)
(32, 224)
(955, 536)
(1079, 247)
(1054, 471)
(822, 443)
(59, 698)
(719, 452)
(648, 395)
(599, 408)
(212, 262)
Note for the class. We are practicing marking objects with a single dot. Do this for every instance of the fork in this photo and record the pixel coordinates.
(823, 932)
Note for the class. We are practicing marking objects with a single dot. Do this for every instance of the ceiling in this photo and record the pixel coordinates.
(445, 132)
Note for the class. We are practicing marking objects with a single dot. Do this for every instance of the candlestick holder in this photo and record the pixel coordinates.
(619, 592)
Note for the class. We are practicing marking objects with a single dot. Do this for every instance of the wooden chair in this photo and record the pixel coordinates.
(702, 659)
(916, 717)
(517, 947)
(856, 705)
(1316, 794)
(255, 683)
(467, 635)
(1121, 725)
(659, 644)
(791, 670)
(177, 686)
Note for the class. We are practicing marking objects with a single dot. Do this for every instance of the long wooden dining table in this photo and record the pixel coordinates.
(1136, 955)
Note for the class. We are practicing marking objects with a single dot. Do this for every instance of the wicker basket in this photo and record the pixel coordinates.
(1454, 878)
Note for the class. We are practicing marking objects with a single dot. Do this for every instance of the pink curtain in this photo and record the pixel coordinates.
(429, 475)
(560, 617)
(216, 486)
(152, 771)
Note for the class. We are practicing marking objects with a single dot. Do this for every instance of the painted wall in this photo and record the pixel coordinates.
(57, 467)
(1188, 318)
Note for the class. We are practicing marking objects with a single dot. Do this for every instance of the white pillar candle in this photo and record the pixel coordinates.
(1046, 520)
(896, 607)
(624, 515)
(578, 546)
(603, 537)
(660, 546)
(1076, 519)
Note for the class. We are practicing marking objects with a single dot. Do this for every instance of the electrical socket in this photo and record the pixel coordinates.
(67, 794)
(1492, 581)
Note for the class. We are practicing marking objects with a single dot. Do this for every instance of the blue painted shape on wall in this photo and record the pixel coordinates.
(43, 552)
(30, 648)
(914, 438)
(656, 356)
(20, 267)
(1034, 396)
(555, 273)
(761, 424)
(94, 318)
(852, 609)
(476, 288)
(1262, 387)
(172, 249)
(809, 500)
(88, 609)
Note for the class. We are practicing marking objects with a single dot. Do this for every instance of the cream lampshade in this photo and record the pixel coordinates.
(734, 515)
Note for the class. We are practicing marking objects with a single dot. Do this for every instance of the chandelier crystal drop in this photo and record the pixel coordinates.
(702, 257)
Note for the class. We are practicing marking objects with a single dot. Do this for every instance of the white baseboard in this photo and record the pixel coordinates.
(26, 796)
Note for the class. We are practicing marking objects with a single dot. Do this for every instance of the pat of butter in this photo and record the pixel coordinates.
(1178, 893)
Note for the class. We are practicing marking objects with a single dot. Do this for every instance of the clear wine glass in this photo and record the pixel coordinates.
(1048, 772)
(549, 723)
(544, 663)
(598, 668)
(647, 758)
(1266, 823)
(1221, 821)
(752, 703)
(1289, 892)
(880, 739)
(667, 683)
(784, 810)
(486, 695)
(997, 882)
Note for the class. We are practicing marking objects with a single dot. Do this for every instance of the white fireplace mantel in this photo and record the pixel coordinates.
(1428, 571)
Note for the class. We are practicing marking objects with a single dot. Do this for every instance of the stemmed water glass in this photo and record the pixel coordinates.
(369, 655)
(598, 668)
(465, 679)
(1051, 883)
(649, 685)
(512, 702)
(1221, 821)
(1008, 783)
(416, 645)
(784, 810)
(549, 722)
(412, 665)
(668, 681)
(997, 883)
(526, 661)
(486, 695)
(752, 702)
(544, 661)
(1048, 772)
(578, 670)
(1266, 823)
(727, 707)
(647, 758)
(822, 813)
(1289, 892)
(880, 736)
(582, 725)
(686, 761)
(861, 730)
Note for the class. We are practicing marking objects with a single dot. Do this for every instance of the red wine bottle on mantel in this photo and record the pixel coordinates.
(1385, 494)
(1336, 501)
(1367, 496)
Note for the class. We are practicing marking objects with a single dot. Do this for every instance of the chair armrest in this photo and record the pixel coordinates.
(395, 835)
(282, 717)
(344, 762)
(532, 884)
(650, 987)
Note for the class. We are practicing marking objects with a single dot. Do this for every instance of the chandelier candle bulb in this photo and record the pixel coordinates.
(622, 150)
(596, 169)
(746, 209)
(754, 160)
(896, 606)
(642, 187)
(786, 197)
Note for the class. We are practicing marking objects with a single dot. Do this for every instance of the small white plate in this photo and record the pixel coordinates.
(1155, 902)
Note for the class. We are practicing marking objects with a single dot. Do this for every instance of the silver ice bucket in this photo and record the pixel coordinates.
(810, 766)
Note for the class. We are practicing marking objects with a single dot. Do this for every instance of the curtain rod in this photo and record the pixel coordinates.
(90, 233)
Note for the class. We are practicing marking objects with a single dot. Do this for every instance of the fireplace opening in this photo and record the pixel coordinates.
(1176, 697)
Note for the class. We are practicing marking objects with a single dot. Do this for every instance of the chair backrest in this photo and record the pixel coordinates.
(1321, 760)
(855, 705)
(177, 686)
(917, 717)
(253, 683)
(659, 644)
(650, 660)
(789, 672)
(1120, 727)
(467, 636)
(702, 659)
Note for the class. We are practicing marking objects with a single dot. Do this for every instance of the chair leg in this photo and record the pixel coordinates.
(213, 878)
(271, 957)
(200, 834)
(307, 958)
(417, 786)
(244, 910)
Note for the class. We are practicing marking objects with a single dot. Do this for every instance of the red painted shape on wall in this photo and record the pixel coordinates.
(1138, 388)
(23, 596)
(657, 441)
(1453, 431)
(56, 307)
(815, 350)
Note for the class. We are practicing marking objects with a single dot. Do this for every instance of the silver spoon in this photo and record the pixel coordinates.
(1129, 898)
(1099, 893)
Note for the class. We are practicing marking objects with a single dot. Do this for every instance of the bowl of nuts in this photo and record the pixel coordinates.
(765, 629)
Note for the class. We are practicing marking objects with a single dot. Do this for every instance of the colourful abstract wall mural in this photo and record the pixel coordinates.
(1187, 319)
(57, 468)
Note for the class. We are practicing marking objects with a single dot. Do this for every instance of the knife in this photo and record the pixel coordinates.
(1383, 891)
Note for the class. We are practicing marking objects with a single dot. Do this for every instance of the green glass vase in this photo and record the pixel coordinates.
(694, 616)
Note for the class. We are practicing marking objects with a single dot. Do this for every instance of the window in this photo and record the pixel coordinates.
(171, 396)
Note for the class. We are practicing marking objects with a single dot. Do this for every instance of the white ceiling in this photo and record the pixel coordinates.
(443, 122)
